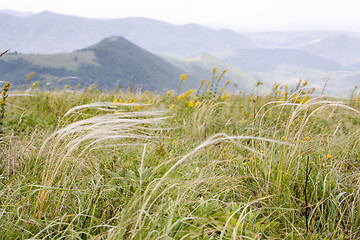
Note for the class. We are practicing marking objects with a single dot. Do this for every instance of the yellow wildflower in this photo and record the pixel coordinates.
(183, 77)
(178, 98)
(283, 138)
(169, 93)
(126, 101)
(115, 101)
(7, 86)
(197, 104)
(261, 151)
(328, 156)
(307, 138)
(137, 107)
(132, 100)
(191, 104)
(172, 106)
(214, 71)
(148, 102)
(186, 94)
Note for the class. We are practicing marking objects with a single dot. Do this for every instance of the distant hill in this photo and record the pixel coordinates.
(265, 60)
(113, 62)
(342, 48)
(117, 63)
(49, 32)
(16, 13)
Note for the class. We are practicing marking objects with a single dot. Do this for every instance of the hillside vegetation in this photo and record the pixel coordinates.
(188, 164)
(112, 63)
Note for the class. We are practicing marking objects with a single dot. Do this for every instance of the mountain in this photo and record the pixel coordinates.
(117, 63)
(265, 60)
(16, 13)
(113, 62)
(342, 48)
(49, 32)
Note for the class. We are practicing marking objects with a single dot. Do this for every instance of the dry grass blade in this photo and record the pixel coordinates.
(3, 53)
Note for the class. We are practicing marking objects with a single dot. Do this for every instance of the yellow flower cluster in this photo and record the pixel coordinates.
(6, 87)
(225, 95)
(183, 77)
(117, 101)
(186, 94)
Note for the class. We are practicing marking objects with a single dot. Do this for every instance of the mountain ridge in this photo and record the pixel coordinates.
(113, 62)
(68, 33)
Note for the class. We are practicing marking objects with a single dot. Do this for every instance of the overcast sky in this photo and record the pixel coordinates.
(243, 15)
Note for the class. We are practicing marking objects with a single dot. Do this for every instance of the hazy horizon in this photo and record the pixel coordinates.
(241, 16)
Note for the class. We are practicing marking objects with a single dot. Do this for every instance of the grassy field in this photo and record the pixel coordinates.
(186, 164)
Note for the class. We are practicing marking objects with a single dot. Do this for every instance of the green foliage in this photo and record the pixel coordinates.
(206, 165)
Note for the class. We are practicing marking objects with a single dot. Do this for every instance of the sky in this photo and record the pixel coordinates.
(240, 15)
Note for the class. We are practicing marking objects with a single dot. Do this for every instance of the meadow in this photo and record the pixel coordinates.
(185, 164)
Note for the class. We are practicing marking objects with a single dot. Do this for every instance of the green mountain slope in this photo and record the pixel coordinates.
(113, 62)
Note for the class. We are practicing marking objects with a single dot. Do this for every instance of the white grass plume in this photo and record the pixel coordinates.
(75, 139)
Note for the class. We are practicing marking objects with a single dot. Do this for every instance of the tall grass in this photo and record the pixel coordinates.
(282, 166)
